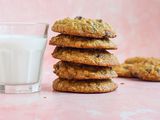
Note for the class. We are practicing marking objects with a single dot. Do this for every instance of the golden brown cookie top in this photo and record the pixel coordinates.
(150, 60)
(85, 27)
(82, 42)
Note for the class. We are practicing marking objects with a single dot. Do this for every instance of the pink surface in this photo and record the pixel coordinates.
(137, 23)
(133, 100)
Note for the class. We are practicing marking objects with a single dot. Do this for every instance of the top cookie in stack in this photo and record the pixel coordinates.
(85, 64)
(84, 27)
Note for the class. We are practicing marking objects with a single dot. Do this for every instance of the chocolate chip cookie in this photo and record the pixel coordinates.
(146, 71)
(85, 56)
(123, 70)
(84, 86)
(84, 27)
(140, 67)
(82, 42)
(77, 71)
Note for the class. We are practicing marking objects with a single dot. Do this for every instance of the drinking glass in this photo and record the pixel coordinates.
(22, 46)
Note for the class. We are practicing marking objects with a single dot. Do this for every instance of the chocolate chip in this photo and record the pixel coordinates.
(126, 67)
(148, 70)
(108, 33)
(122, 83)
(158, 70)
(98, 56)
(135, 74)
(99, 20)
(79, 17)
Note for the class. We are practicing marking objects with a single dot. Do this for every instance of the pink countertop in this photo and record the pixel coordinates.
(133, 100)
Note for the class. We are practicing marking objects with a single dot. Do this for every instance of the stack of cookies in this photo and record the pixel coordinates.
(85, 66)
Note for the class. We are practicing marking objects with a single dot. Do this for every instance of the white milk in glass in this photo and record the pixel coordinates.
(20, 59)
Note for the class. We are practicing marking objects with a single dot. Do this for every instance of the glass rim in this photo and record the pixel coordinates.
(24, 23)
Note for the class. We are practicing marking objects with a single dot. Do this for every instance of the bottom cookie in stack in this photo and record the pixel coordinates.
(84, 86)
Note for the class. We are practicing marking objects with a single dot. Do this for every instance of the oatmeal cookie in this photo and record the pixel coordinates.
(123, 70)
(84, 86)
(82, 42)
(150, 60)
(68, 70)
(85, 56)
(84, 27)
(146, 71)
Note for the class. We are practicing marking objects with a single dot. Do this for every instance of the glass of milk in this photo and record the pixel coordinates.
(21, 52)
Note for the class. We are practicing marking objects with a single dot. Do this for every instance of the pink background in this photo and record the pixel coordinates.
(137, 23)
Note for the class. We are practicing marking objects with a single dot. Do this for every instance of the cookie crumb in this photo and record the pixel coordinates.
(122, 83)
(44, 97)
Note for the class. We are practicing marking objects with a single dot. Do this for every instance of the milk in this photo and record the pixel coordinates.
(20, 59)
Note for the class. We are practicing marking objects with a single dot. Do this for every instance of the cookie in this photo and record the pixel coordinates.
(123, 70)
(146, 71)
(150, 60)
(84, 86)
(84, 27)
(68, 70)
(82, 42)
(85, 56)
(140, 67)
